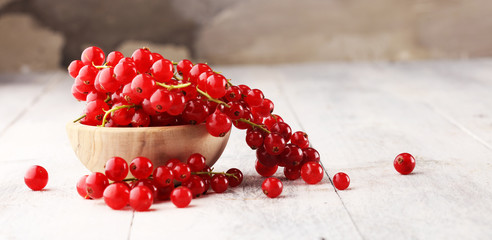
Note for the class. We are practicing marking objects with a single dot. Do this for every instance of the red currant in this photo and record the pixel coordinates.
(141, 167)
(310, 155)
(107, 80)
(82, 187)
(140, 119)
(181, 172)
(163, 176)
(162, 70)
(92, 55)
(219, 183)
(74, 68)
(116, 169)
(291, 156)
(274, 143)
(216, 85)
(300, 139)
(114, 58)
(196, 70)
(161, 100)
(236, 179)
(124, 72)
(254, 97)
(312, 172)
(147, 183)
(264, 170)
(341, 181)
(117, 196)
(292, 173)
(404, 163)
(181, 197)
(143, 85)
(195, 112)
(178, 104)
(196, 162)
(233, 94)
(143, 59)
(141, 198)
(184, 66)
(36, 177)
(272, 187)
(254, 139)
(172, 162)
(283, 129)
(218, 124)
(196, 185)
(96, 182)
(266, 158)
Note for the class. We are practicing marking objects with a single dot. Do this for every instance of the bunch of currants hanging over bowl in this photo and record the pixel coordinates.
(148, 90)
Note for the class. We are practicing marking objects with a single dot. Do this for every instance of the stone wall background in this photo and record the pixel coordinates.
(38, 35)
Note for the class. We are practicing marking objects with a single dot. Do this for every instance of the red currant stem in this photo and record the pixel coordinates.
(100, 67)
(176, 77)
(80, 118)
(211, 98)
(262, 127)
(210, 173)
(229, 83)
(129, 179)
(171, 87)
(174, 63)
(112, 110)
(108, 98)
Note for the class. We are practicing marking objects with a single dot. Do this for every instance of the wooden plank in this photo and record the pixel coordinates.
(39, 137)
(363, 117)
(303, 211)
(19, 92)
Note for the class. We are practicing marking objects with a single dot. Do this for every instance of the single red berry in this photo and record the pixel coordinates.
(404, 163)
(92, 56)
(312, 172)
(123, 116)
(216, 85)
(95, 111)
(143, 85)
(195, 112)
(254, 97)
(218, 124)
(234, 111)
(272, 119)
(107, 80)
(292, 173)
(264, 109)
(143, 59)
(96, 182)
(254, 139)
(300, 139)
(196, 185)
(141, 167)
(87, 75)
(125, 71)
(82, 187)
(310, 155)
(163, 176)
(264, 170)
(184, 66)
(178, 104)
(341, 181)
(219, 183)
(74, 68)
(291, 156)
(161, 100)
(274, 143)
(114, 58)
(116, 169)
(196, 162)
(156, 57)
(141, 198)
(181, 197)
(272, 187)
(196, 70)
(129, 96)
(81, 96)
(162, 70)
(233, 94)
(236, 179)
(181, 172)
(117, 195)
(36, 177)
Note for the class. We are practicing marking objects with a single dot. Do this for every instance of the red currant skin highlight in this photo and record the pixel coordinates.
(341, 181)
(312, 172)
(117, 195)
(272, 187)
(181, 197)
(141, 198)
(36, 177)
(404, 163)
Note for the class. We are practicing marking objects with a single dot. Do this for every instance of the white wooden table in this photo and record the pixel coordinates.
(359, 117)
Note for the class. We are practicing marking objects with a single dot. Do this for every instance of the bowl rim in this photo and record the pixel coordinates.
(133, 129)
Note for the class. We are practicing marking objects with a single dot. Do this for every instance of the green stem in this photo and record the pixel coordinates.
(209, 98)
(112, 110)
(80, 118)
(262, 127)
(171, 87)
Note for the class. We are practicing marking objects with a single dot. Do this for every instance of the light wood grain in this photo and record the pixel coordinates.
(359, 116)
(94, 146)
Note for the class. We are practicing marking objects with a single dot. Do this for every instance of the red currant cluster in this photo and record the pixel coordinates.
(149, 90)
(150, 184)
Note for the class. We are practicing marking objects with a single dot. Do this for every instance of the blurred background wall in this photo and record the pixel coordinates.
(37, 35)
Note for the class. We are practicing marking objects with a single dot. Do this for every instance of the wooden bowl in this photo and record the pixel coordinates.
(96, 145)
